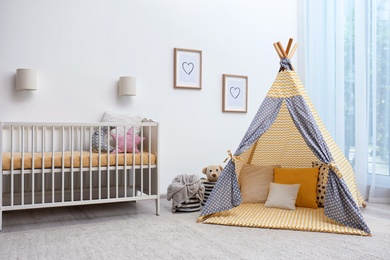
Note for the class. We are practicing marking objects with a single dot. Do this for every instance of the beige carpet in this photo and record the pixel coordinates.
(178, 236)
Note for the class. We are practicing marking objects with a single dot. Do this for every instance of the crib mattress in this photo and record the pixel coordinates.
(256, 215)
(105, 159)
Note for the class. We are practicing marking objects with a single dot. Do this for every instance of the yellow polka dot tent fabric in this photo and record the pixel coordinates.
(287, 131)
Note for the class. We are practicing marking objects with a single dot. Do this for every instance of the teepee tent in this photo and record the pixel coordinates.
(287, 130)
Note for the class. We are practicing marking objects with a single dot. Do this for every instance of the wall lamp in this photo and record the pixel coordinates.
(127, 86)
(26, 79)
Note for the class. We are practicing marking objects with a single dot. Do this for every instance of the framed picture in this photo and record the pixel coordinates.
(234, 93)
(188, 69)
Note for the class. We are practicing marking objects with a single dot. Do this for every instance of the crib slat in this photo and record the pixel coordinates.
(142, 156)
(81, 161)
(43, 129)
(52, 166)
(108, 171)
(116, 159)
(22, 148)
(12, 165)
(90, 162)
(150, 160)
(32, 164)
(100, 164)
(125, 170)
(133, 168)
(63, 165)
(142, 160)
(71, 163)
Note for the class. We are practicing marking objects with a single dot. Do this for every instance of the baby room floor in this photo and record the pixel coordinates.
(65, 216)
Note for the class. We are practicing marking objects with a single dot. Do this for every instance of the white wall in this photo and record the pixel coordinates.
(80, 48)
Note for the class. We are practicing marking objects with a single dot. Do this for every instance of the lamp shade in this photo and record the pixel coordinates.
(26, 79)
(127, 86)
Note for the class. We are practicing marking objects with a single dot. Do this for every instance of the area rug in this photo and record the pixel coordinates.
(178, 236)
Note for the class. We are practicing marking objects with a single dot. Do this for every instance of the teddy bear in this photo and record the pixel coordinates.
(212, 172)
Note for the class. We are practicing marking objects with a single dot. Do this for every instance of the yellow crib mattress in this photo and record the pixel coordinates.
(77, 155)
(256, 215)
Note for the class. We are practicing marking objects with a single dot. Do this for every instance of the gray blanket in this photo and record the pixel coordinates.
(183, 188)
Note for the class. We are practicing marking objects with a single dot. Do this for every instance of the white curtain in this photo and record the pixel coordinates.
(347, 75)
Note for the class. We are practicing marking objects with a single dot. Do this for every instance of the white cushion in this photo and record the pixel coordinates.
(128, 118)
(282, 196)
(254, 182)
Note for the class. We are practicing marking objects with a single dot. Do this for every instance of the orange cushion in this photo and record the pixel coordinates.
(306, 177)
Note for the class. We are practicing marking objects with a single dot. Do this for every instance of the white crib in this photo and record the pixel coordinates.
(54, 164)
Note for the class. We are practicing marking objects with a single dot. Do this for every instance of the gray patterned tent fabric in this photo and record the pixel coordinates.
(339, 203)
(226, 193)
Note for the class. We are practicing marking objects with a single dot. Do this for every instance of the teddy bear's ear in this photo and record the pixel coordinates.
(204, 170)
(220, 167)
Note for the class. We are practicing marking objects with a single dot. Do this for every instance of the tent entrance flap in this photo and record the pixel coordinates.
(282, 144)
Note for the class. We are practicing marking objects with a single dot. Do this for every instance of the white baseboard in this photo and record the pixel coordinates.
(379, 200)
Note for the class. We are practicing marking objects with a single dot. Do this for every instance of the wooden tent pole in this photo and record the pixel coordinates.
(285, 54)
(278, 51)
(293, 51)
(290, 41)
(282, 50)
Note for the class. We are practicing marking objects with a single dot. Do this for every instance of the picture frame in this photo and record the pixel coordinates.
(187, 68)
(234, 93)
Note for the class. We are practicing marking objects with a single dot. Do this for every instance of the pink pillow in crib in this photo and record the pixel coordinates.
(129, 142)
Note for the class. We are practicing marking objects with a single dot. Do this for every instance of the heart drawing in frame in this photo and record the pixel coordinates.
(188, 67)
(235, 92)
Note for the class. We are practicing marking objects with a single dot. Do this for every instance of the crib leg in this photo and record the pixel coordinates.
(158, 206)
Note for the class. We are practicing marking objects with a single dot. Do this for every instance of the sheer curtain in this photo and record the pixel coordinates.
(347, 75)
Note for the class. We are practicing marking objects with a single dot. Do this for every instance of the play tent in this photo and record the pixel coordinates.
(287, 130)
